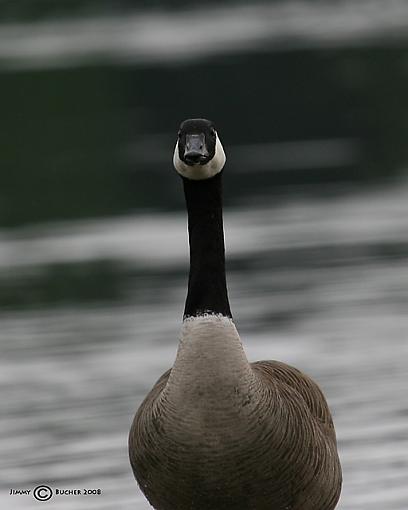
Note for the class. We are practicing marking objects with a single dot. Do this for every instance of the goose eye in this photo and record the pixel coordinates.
(213, 133)
(179, 134)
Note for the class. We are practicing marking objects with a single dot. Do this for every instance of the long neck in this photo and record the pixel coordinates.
(207, 288)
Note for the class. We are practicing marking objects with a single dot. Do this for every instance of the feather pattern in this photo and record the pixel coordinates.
(217, 437)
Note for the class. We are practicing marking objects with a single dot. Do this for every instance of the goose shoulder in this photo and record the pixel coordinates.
(296, 386)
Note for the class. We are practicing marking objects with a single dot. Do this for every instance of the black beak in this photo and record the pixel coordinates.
(195, 151)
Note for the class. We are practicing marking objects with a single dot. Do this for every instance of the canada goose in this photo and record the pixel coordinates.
(217, 432)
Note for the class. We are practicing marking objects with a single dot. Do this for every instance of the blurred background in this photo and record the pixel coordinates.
(310, 99)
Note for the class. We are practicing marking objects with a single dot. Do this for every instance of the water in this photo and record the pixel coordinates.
(90, 310)
(162, 36)
(320, 283)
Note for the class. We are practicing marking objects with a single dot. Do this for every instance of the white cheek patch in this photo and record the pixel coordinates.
(200, 172)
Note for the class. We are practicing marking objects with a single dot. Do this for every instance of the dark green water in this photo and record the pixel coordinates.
(96, 141)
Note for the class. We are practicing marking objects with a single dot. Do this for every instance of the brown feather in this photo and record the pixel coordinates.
(278, 452)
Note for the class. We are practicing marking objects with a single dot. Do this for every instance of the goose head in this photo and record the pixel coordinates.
(198, 153)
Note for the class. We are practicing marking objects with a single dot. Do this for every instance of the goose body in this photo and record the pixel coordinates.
(217, 432)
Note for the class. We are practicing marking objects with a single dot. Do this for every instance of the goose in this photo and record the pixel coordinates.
(217, 432)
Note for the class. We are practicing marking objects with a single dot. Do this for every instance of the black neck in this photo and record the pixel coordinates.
(207, 288)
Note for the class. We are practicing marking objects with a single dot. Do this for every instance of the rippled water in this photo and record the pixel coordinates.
(157, 36)
(320, 283)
